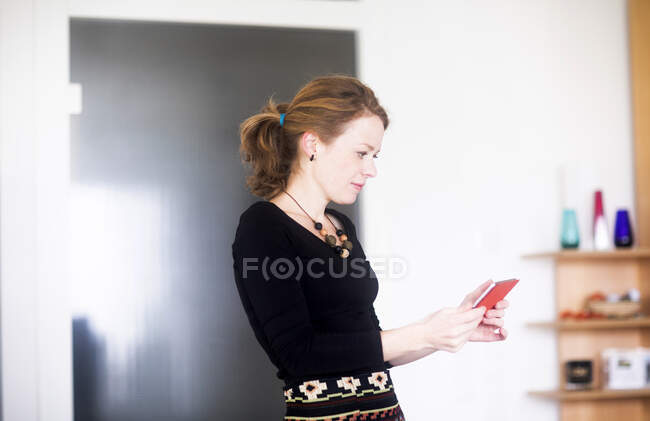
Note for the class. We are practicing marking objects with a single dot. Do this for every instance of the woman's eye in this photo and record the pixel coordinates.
(362, 154)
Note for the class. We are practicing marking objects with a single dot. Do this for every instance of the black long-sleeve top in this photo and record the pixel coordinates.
(311, 322)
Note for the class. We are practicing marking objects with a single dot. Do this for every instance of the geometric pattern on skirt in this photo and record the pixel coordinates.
(366, 396)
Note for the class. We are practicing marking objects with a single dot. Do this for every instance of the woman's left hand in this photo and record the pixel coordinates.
(492, 320)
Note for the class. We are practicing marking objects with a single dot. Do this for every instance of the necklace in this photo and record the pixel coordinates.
(346, 245)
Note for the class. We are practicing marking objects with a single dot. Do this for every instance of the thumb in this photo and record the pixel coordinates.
(470, 298)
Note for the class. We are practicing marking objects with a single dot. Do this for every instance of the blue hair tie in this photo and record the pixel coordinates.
(282, 119)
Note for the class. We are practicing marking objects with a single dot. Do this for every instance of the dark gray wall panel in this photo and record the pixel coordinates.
(162, 103)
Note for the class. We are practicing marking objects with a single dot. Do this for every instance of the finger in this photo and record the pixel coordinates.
(503, 332)
(471, 298)
(492, 337)
(497, 335)
(489, 334)
(466, 329)
(502, 304)
(471, 315)
(495, 313)
(493, 322)
(470, 325)
(474, 295)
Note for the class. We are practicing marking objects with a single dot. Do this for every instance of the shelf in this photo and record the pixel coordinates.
(633, 253)
(593, 324)
(591, 395)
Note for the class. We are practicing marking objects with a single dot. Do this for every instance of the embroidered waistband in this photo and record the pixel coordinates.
(340, 387)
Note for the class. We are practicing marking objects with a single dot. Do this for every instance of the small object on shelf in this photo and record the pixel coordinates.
(632, 294)
(566, 314)
(578, 374)
(597, 296)
(615, 310)
(613, 298)
(624, 368)
(623, 236)
(570, 238)
(600, 231)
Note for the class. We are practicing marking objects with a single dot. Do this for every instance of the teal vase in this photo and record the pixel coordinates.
(570, 232)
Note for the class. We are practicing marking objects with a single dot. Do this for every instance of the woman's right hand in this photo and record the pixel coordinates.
(449, 329)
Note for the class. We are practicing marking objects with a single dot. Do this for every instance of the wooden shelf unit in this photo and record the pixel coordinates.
(591, 395)
(577, 275)
(603, 324)
(618, 254)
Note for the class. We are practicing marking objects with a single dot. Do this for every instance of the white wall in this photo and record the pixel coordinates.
(486, 100)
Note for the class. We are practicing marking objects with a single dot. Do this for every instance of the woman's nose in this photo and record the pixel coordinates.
(370, 170)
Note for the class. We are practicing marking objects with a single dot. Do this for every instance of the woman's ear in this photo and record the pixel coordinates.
(309, 143)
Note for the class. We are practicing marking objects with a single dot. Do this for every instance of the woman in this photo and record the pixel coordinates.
(301, 273)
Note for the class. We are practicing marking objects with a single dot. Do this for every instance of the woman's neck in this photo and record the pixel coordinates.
(307, 195)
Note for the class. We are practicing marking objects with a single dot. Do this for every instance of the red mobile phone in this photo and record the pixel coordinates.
(495, 293)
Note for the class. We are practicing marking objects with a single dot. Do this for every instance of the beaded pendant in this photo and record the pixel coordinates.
(346, 245)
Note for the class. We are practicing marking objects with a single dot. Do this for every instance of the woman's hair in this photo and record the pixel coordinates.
(323, 106)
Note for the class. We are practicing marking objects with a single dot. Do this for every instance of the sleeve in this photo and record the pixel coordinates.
(375, 320)
(279, 306)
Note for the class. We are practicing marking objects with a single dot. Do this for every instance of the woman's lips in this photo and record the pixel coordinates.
(357, 186)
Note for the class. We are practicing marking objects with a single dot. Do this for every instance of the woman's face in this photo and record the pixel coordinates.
(345, 164)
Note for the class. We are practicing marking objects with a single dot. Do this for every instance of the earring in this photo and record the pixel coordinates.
(312, 157)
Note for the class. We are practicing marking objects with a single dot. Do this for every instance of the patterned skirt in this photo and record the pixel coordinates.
(367, 396)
